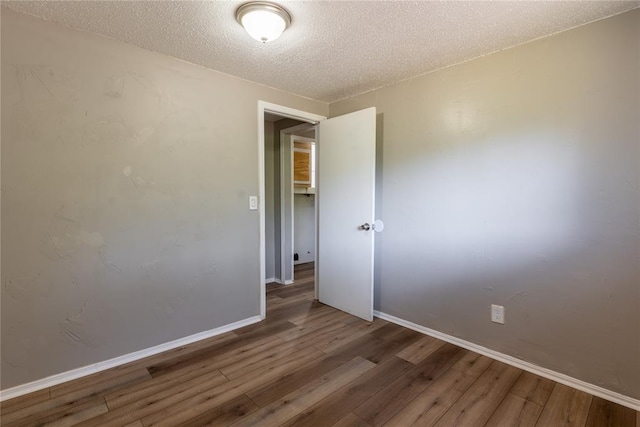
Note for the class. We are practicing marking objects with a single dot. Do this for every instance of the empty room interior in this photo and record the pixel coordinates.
(359, 213)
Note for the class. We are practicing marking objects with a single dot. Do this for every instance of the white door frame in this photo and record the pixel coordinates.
(285, 112)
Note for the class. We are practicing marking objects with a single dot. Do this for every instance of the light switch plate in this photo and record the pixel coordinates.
(253, 203)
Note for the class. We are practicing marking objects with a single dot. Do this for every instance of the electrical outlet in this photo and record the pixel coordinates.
(497, 314)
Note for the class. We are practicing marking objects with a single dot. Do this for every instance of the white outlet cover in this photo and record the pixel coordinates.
(497, 314)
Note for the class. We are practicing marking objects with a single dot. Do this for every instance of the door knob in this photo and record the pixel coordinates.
(377, 226)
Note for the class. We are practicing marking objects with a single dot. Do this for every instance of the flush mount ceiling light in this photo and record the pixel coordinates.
(263, 21)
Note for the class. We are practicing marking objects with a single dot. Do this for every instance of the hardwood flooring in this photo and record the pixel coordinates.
(310, 365)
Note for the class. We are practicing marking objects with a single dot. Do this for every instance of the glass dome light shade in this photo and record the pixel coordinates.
(263, 21)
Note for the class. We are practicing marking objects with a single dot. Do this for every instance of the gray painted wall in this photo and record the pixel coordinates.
(515, 179)
(304, 218)
(125, 184)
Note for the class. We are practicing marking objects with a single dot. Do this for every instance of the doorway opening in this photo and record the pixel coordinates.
(280, 128)
(304, 197)
(290, 239)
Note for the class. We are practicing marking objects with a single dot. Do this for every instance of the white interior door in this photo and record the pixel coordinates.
(346, 192)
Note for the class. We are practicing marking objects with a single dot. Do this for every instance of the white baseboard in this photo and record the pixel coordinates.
(270, 279)
(279, 282)
(56, 379)
(595, 390)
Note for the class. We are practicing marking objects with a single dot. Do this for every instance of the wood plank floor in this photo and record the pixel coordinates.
(311, 365)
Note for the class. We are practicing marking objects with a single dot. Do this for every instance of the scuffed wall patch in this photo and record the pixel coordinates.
(44, 83)
(92, 239)
(114, 86)
(109, 263)
(26, 288)
(143, 135)
(59, 240)
(65, 237)
(73, 329)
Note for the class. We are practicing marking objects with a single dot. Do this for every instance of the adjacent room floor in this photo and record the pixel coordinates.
(311, 365)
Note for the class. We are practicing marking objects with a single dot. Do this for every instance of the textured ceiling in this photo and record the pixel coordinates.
(333, 49)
